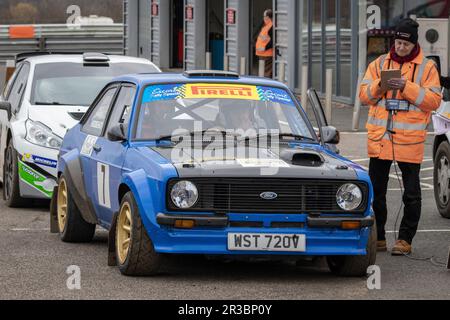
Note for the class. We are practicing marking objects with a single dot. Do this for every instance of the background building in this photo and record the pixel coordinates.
(342, 35)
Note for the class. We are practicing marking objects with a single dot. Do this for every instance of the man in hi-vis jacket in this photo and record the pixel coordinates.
(397, 127)
(264, 43)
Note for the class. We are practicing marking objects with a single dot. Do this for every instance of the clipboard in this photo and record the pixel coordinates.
(387, 75)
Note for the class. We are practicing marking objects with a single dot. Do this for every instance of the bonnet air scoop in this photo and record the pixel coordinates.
(302, 158)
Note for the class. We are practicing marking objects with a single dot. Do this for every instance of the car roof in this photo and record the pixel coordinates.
(78, 58)
(161, 78)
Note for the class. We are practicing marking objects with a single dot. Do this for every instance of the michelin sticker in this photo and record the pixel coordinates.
(39, 160)
(36, 180)
(88, 146)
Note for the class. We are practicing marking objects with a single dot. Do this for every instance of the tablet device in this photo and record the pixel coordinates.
(387, 75)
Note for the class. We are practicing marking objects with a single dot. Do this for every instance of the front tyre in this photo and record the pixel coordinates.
(11, 186)
(441, 177)
(136, 255)
(72, 226)
(355, 266)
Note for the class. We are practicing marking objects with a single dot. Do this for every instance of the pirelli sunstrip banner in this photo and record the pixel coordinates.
(215, 91)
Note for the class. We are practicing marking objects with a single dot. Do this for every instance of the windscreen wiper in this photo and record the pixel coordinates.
(281, 136)
(53, 104)
(194, 133)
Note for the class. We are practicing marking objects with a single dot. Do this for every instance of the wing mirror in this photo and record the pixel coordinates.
(117, 133)
(5, 105)
(330, 135)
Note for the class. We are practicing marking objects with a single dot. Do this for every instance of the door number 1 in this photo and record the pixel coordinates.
(103, 185)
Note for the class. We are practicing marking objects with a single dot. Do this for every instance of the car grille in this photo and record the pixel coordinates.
(225, 195)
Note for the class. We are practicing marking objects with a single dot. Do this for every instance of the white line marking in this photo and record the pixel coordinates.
(427, 186)
(360, 160)
(393, 176)
(365, 133)
(426, 179)
(29, 229)
(425, 231)
(422, 189)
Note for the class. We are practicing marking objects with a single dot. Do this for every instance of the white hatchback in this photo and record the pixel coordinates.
(46, 96)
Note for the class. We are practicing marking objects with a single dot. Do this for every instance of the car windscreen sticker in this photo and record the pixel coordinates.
(36, 180)
(221, 91)
(216, 91)
(262, 163)
(163, 92)
(274, 95)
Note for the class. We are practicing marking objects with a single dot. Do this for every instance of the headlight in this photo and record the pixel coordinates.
(184, 194)
(349, 197)
(41, 135)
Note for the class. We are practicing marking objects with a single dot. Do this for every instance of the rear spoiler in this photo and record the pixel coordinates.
(88, 57)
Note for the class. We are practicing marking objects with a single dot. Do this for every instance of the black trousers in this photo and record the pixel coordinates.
(412, 198)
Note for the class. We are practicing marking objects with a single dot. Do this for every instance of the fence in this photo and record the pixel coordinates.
(60, 38)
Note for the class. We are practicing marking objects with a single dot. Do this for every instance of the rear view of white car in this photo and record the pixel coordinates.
(46, 96)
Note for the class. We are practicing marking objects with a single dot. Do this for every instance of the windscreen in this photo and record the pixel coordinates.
(77, 84)
(166, 110)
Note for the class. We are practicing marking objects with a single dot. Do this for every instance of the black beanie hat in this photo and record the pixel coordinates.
(408, 30)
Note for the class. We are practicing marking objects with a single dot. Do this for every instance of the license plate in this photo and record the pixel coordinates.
(266, 242)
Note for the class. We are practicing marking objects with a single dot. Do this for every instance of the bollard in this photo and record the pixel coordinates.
(357, 107)
(262, 68)
(243, 66)
(304, 87)
(282, 72)
(329, 94)
(225, 63)
(208, 61)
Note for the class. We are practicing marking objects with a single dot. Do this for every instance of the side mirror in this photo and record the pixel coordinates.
(117, 133)
(6, 106)
(330, 135)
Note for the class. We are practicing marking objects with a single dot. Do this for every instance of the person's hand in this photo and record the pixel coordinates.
(397, 84)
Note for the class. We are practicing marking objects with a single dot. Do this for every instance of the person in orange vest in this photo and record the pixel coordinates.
(264, 43)
(397, 127)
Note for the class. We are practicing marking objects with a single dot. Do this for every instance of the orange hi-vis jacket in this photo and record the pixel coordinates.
(263, 40)
(401, 133)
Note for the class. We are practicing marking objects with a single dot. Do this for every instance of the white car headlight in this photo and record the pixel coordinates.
(41, 135)
(349, 197)
(184, 194)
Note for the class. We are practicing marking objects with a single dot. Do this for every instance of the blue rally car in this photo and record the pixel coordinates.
(215, 164)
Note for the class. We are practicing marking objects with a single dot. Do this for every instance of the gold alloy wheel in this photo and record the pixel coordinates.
(123, 234)
(62, 205)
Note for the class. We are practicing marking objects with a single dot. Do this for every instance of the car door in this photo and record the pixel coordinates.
(13, 93)
(321, 118)
(92, 129)
(108, 156)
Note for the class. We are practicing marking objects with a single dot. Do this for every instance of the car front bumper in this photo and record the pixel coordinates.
(37, 170)
(324, 235)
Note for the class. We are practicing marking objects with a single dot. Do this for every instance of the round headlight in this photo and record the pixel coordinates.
(184, 194)
(349, 197)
